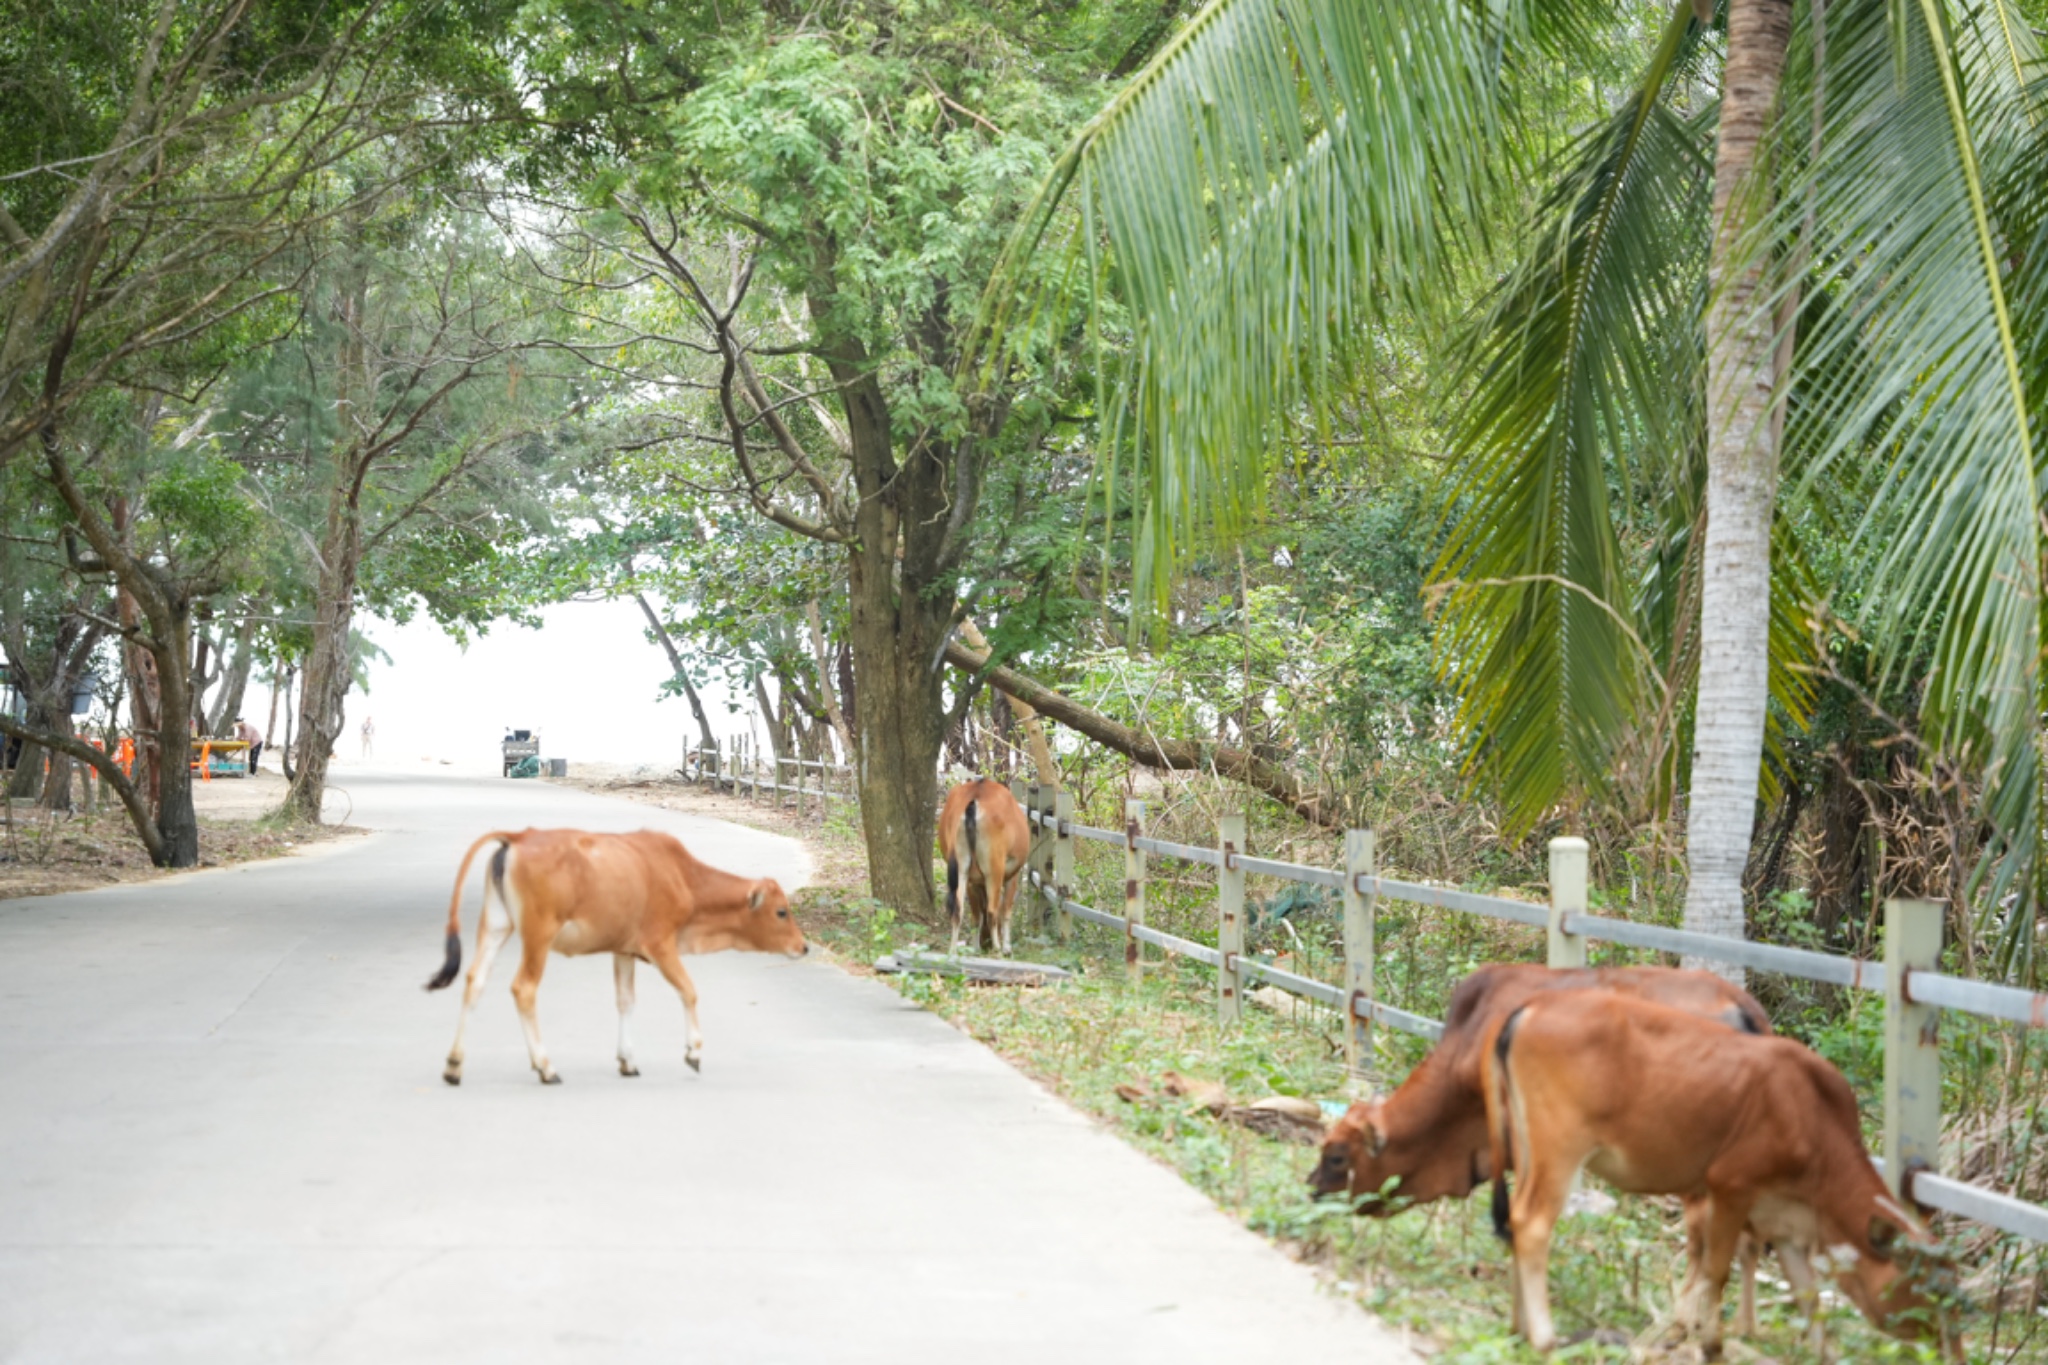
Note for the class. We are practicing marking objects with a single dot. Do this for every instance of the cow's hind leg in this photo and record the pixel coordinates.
(525, 987)
(671, 964)
(622, 977)
(1537, 1205)
(491, 933)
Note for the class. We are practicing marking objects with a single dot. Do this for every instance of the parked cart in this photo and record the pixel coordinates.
(519, 746)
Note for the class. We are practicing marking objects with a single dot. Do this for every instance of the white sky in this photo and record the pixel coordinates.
(587, 680)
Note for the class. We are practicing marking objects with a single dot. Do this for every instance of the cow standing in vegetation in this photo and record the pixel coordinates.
(641, 897)
(1759, 1131)
(984, 839)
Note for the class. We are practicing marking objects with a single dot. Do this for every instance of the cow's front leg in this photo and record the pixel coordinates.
(490, 937)
(1805, 1296)
(1724, 1230)
(526, 986)
(671, 964)
(622, 977)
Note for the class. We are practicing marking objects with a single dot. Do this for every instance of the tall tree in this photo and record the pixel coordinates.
(820, 213)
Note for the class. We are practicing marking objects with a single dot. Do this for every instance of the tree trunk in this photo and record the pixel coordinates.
(176, 820)
(26, 780)
(828, 695)
(778, 733)
(57, 787)
(145, 698)
(287, 749)
(676, 670)
(902, 724)
(327, 677)
(1742, 482)
(227, 706)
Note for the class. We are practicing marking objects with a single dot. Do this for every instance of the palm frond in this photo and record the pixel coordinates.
(1589, 353)
(1919, 358)
(1278, 173)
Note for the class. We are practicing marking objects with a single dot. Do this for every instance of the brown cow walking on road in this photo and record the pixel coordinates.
(1765, 1133)
(641, 897)
(984, 839)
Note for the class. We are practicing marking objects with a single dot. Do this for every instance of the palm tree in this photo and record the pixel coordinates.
(1838, 268)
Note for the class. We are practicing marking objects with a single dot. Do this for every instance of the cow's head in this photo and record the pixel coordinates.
(1902, 1278)
(767, 925)
(1372, 1154)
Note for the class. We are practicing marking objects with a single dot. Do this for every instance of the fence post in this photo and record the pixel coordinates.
(1042, 848)
(1358, 948)
(1912, 1050)
(1134, 889)
(1063, 859)
(1567, 897)
(1230, 917)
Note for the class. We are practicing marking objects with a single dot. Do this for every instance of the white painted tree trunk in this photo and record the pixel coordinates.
(1742, 486)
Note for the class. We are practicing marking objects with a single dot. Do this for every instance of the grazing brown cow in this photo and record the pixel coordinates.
(1654, 1100)
(1428, 1138)
(984, 839)
(640, 897)
(1428, 1141)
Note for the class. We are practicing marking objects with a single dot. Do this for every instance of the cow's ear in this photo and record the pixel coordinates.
(1883, 1232)
(756, 896)
(1375, 1141)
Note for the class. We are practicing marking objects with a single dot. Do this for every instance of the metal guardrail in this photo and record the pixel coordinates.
(1987, 998)
(1980, 1205)
(1853, 972)
(1449, 898)
(1912, 1075)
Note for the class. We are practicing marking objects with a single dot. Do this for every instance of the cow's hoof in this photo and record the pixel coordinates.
(628, 1069)
(550, 1078)
(452, 1077)
(695, 1064)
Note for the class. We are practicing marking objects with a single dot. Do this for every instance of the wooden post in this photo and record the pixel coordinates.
(1037, 863)
(1912, 1047)
(1359, 861)
(1134, 889)
(1063, 860)
(1230, 830)
(1567, 897)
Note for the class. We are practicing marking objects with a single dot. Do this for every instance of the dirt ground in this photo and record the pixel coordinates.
(43, 854)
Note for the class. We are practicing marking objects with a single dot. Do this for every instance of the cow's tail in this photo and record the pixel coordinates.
(452, 963)
(1500, 1132)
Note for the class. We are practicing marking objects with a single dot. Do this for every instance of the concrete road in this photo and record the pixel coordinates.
(224, 1138)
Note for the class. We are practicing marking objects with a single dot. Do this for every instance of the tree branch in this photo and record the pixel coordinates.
(138, 812)
(1172, 754)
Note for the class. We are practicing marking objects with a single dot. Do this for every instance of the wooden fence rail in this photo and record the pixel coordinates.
(743, 769)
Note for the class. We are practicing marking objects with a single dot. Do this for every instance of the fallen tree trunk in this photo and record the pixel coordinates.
(1180, 755)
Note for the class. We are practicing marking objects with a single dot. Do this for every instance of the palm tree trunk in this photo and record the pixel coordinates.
(1742, 486)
